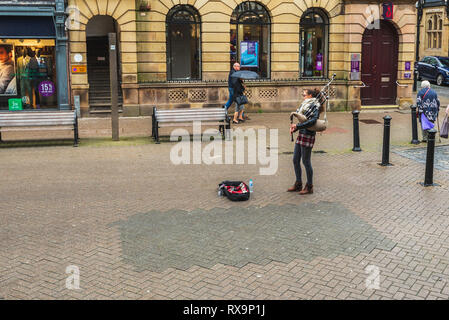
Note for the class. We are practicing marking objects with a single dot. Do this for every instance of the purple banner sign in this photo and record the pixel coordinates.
(319, 62)
(355, 66)
(46, 88)
(408, 65)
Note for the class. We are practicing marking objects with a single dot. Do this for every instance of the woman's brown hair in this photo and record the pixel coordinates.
(315, 93)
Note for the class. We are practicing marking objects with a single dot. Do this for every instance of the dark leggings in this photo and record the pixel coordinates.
(305, 153)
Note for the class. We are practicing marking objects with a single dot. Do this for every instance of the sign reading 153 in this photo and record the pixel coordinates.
(387, 11)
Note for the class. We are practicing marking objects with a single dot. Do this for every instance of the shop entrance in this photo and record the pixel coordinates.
(380, 65)
(98, 63)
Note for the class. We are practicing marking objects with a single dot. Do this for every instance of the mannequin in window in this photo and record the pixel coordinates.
(33, 77)
(22, 71)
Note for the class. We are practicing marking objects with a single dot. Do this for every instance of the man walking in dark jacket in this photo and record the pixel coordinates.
(231, 84)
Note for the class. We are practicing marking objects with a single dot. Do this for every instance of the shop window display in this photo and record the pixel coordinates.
(250, 38)
(313, 45)
(28, 73)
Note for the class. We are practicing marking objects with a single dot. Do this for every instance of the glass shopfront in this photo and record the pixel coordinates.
(250, 38)
(27, 74)
(313, 48)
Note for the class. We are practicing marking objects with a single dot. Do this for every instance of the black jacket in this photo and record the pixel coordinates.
(231, 80)
(302, 127)
(238, 87)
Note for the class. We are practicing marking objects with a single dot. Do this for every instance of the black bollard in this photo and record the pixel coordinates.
(386, 144)
(355, 115)
(414, 125)
(428, 179)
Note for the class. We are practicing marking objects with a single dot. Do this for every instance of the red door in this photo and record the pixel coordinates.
(379, 65)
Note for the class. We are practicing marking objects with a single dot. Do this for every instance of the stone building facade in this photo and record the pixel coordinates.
(178, 53)
(434, 29)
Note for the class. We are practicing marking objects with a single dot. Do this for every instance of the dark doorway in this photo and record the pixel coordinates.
(97, 41)
(380, 65)
(183, 43)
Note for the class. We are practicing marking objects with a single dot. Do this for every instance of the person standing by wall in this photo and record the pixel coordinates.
(428, 105)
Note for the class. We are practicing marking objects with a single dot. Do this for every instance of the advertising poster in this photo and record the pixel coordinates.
(249, 56)
(8, 84)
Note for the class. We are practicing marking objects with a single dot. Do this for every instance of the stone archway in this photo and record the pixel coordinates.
(123, 13)
(98, 67)
(380, 49)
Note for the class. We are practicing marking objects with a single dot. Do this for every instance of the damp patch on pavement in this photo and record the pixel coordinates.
(237, 236)
(441, 160)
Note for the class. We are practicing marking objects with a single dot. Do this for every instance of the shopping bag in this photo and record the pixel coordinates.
(425, 123)
(444, 128)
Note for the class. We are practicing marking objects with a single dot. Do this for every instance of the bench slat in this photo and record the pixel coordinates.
(221, 115)
(191, 110)
(28, 114)
(35, 123)
(16, 116)
(192, 121)
(13, 129)
(185, 124)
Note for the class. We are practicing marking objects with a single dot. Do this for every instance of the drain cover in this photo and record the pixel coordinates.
(370, 121)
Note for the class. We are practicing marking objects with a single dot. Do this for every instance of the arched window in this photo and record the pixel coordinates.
(434, 31)
(314, 27)
(250, 38)
(183, 26)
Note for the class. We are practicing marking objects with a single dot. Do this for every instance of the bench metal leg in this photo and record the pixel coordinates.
(152, 126)
(75, 134)
(156, 130)
(228, 129)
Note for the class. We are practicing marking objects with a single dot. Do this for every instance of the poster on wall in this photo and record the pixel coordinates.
(8, 85)
(249, 56)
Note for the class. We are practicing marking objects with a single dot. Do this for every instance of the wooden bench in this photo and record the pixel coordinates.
(38, 121)
(186, 117)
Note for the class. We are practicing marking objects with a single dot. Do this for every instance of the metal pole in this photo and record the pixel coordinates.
(355, 115)
(61, 56)
(386, 143)
(428, 179)
(415, 72)
(414, 125)
(418, 32)
(113, 84)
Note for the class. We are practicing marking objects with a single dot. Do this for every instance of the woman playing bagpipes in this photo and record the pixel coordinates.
(308, 113)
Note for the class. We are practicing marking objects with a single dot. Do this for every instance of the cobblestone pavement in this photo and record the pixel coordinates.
(441, 160)
(139, 227)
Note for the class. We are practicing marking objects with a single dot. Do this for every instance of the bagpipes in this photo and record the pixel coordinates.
(322, 98)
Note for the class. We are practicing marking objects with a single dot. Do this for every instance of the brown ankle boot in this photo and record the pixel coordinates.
(308, 189)
(296, 187)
